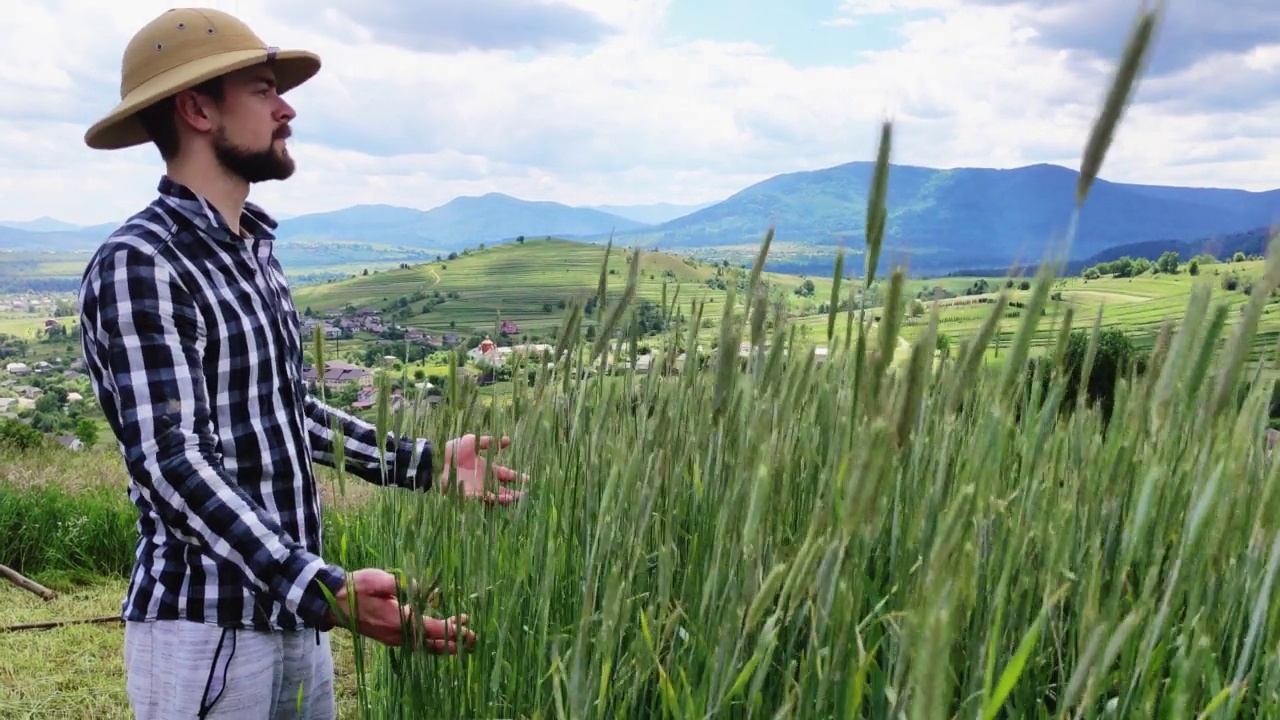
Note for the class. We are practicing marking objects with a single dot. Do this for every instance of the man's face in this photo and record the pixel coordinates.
(249, 137)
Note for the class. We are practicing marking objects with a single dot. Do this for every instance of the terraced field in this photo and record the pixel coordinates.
(526, 283)
(1137, 305)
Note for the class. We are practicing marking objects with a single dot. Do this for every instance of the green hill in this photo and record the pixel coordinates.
(532, 284)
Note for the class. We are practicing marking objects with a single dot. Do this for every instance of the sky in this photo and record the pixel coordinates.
(624, 102)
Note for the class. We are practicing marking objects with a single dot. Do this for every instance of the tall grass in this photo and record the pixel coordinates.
(850, 539)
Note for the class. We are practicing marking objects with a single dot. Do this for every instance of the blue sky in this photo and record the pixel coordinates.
(621, 102)
(804, 33)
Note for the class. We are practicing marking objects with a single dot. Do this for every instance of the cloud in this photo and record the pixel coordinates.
(630, 115)
(446, 26)
(1192, 30)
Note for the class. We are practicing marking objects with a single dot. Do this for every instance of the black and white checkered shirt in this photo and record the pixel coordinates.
(193, 347)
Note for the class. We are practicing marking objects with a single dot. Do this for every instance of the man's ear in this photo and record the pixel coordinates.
(195, 110)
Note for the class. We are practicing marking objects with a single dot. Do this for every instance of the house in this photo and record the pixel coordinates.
(414, 336)
(488, 353)
(74, 397)
(507, 327)
(17, 368)
(70, 442)
(644, 363)
(338, 373)
(368, 398)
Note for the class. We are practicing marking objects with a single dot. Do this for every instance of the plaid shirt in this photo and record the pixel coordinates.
(193, 347)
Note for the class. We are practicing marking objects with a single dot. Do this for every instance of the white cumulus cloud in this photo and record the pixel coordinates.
(415, 107)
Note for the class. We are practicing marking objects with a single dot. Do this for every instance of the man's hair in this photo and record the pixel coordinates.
(160, 120)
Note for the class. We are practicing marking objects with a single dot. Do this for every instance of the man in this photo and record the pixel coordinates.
(193, 347)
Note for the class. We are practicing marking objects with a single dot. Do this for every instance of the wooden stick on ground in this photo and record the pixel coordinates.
(26, 583)
(59, 623)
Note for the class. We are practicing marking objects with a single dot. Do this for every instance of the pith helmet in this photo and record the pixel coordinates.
(179, 50)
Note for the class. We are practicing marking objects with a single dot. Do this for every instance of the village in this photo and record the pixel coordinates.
(52, 393)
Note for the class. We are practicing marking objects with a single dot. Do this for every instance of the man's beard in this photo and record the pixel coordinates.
(254, 166)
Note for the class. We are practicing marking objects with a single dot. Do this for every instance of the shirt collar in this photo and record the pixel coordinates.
(254, 221)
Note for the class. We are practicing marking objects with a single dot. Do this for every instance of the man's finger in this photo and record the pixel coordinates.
(507, 497)
(506, 474)
(437, 628)
(485, 440)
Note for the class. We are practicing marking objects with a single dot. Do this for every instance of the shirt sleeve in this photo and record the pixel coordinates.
(147, 335)
(401, 462)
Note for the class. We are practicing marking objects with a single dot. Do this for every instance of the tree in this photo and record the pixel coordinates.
(1116, 358)
(1193, 267)
(86, 431)
(1168, 262)
(50, 403)
(1238, 257)
(18, 435)
(520, 239)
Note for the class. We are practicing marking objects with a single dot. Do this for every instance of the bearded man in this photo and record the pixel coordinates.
(193, 347)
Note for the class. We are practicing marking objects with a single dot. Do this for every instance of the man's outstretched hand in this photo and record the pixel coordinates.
(379, 615)
(467, 455)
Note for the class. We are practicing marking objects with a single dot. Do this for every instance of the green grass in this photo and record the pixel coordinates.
(77, 670)
(26, 325)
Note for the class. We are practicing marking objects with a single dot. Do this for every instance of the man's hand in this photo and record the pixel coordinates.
(462, 452)
(380, 614)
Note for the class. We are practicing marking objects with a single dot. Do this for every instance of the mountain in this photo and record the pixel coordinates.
(942, 219)
(1250, 242)
(41, 224)
(51, 240)
(460, 223)
(650, 214)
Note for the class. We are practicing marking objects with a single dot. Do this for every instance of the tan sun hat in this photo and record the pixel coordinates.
(179, 50)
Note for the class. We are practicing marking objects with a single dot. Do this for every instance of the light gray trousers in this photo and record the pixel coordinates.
(177, 669)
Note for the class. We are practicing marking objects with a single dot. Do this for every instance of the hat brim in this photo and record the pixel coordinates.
(121, 129)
